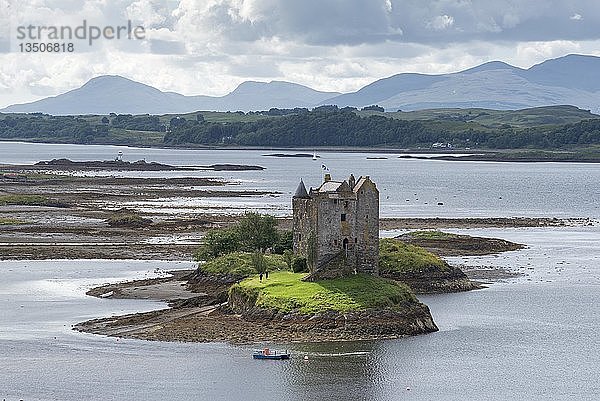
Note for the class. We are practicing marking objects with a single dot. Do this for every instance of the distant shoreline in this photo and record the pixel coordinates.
(474, 155)
(503, 158)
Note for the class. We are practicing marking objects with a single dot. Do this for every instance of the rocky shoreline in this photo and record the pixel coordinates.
(434, 281)
(198, 312)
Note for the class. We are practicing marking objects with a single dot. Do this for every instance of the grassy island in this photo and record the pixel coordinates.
(423, 271)
(286, 292)
(398, 257)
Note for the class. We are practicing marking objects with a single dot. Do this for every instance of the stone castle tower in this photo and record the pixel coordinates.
(336, 227)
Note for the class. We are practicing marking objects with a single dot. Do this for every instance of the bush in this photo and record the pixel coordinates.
(299, 265)
(259, 262)
(288, 258)
(241, 264)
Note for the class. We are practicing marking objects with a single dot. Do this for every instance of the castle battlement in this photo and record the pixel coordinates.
(336, 226)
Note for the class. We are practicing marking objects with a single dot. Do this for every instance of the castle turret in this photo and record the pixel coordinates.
(301, 191)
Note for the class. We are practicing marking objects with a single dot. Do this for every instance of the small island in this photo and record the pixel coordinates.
(331, 278)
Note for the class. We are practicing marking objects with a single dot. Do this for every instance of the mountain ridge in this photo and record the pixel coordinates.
(572, 79)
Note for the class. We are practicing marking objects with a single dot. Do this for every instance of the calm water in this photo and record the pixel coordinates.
(408, 187)
(529, 338)
(533, 340)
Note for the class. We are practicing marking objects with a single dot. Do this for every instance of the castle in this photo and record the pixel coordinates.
(336, 227)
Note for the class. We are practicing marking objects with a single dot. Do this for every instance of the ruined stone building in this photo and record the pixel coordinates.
(336, 227)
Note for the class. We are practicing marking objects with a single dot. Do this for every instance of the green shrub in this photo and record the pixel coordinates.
(241, 264)
(288, 258)
(299, 265)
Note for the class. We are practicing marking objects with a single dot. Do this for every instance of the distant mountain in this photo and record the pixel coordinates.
(112, 93)
(572, 80)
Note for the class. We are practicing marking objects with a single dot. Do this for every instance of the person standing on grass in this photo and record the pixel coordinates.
(266, 274)
(260, 277)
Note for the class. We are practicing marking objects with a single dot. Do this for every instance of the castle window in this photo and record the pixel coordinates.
(355, 240)
(343, 217)
(335, 242)
(335, 201)
(299, 237)
(346, 204)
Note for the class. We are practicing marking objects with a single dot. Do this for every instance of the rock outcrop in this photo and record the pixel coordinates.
(433, 280)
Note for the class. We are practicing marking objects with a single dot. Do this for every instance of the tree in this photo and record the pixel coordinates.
(284, 242)
(105, 120)
(217, 243)
(374, 108)
(176, 122)
(257, 232)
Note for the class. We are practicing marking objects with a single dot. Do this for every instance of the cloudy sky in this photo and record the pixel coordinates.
(210, 46)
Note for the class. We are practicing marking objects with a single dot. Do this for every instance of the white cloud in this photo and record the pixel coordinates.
(441, 22)
(210, 46)
(145, 12)
(545, 50)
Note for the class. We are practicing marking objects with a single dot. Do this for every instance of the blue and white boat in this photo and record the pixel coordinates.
(266, 353)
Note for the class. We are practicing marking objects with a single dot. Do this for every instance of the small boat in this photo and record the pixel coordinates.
(270, 354)
(315, 155)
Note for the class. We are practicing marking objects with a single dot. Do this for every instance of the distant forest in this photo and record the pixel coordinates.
(323, 126)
